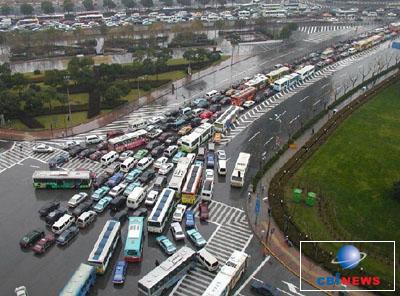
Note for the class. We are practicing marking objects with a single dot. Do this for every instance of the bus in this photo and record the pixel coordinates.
(226, 119)
(179, 175)
(105, 245)
(259, 81)
(133, 251)
(228, 276)
(80, 282)
(50, 17)
(327, 53)
(240, 169)
(118, 143)
(305, 72)
(161, 211)
(193, 181)
(27, 22)
(199, 135)
(276, 74)
(243, 95)
(363, 44)
(281, 83)
(62, 179)
(98, 17)
(168, 273)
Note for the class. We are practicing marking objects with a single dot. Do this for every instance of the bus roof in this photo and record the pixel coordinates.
(61, 175)
(166, 267)
(78, 280)
(278, 71)
(282, 80)
(162, 204)
(103, 243)
(305, 69)
(228, 113)
(128, 136)
(135, 230)
(193, 176)
(242, 161)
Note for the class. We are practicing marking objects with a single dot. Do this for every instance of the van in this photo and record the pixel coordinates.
(171, 150)
(86, 218)
(186, 111)
(136, 197)
(109, 158)
(212, 93)
(207, 260)
(207, 190)
(160, 183)
(93, 139)
(222, 167)
(63, 223)
(144, 163)
(137, 124)
(128, 164)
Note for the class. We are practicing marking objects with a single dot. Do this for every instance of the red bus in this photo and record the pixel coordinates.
(243, 95)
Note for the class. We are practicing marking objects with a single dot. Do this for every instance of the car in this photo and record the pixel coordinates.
(100, 192)
(225, 101)
(21, 291)
(54, 216)
(177, 232)
(221, 155)
(116, 190)
(31, 238)
(115, 179)
(151, 198)
(210, 160)
(164, 136)
(141, 212)
(113, 168)
(74, 151)
(58, 161)
(121, 216)
(102, 204)
(76, 199)
(93, 139)
(44, 243)
(48, 207)
(113, 134)
(130, 188)
(124, 155)
(185, 130)
(264, 289)
(206, 114)
(67, 235)
(179, 213)
(69, 144)
(96, 155)
(189, 219)
(133, 175)
(83, 207)
(147, 177)
(140, 154)
(42, 148)
(196, 238)
(156, 151)
(248, 104)
(120, 272)
(209, 174)
(203, 104)
(86, 218)
(152, 144)
(203, 210)
(102, 145)
(195, 122)
(144, 163)
(168, 247)
(178, 156)
(100, 180)
(215, 108)
(171, 140)
(160, 161)
(156, 119)
(155, 133)
(165, 168)
(85, 153)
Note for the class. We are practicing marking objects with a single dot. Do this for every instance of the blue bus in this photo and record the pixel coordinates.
(80, 282)
(133, 251)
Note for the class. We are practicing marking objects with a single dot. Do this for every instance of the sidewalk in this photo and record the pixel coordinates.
(276, 243)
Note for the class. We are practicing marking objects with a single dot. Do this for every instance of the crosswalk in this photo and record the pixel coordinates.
(246, 119)
(232, 233)
(317, 29)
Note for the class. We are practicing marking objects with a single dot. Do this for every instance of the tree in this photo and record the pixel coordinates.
(9, 103)
(55, 78)
(396, 190)
(47, 7)
(185, 2)
(109, 4)
(68, 6)
(111, 95)
(204, 2)
(147, 3)
(168, 2)
(128, 3)
(6, 10)
(88, 4)
(26, 9)
(221, 2)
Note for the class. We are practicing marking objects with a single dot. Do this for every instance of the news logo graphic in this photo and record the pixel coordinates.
(348, 257)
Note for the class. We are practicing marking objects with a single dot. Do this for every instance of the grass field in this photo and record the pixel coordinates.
(353, 174)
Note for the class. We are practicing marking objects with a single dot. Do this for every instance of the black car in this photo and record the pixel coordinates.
(67, 235)
(215, 107)
(156, 151)
(31, 238)
(259, 98)
(58, 160)
(147, 176)
(83, 207)
(48, 207)
(152, 144)
(195, 122)
(141, 212)
(264, 289)
(76, 150)
(268, 93)
(216, 99)
(102, 146)
(121, 216)
(118, 203)
(172, 113)
(84, 153)
(225, 101)
(100, 180)
(53, 216)
(171, 140)
(164, 136)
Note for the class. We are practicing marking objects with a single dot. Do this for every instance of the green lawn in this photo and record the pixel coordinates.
(353, 172)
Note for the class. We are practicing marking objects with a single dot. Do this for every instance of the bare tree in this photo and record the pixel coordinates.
(397, 59)
(346, 86)
(353, 79)
(388, 59)
(364, 73)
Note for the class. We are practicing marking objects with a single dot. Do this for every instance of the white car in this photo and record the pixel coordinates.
(166, 168)
(93, 139)
(21, 291)
(160, 161)
(179, 212)
(156, 119)
(209, 174)
(221, 154)
(70, 144)
(151, 198)
(116, 190)
(124, 155)
(154, 133)
(43, 148)
(177, 232)
(77, 199)
(248, 104)
(144, 163)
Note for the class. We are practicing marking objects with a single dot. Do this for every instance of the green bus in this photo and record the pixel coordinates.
(62, 179)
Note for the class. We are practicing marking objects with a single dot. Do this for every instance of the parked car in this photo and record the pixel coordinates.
(203, 209)
(67, 235)
(264, 289)
(147, 176)
(168, 247)
(83, 207)
(102, 204)
(44, 243)
(196, 238)
(48, 207)
(189, 219)
(177, 232)
(42, 148)
(76, 199)
(100, 192)
(179, 213)
(58, 161)
(165, 168)
(120, 272)
(31, 238)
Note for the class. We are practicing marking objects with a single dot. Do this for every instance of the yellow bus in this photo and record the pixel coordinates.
(276, 74)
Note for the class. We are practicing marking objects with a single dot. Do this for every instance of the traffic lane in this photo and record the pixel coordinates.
(5, 145)
(18, 214)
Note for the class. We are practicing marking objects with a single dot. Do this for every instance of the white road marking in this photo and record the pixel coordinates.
(270, 139)
(316, 102)
(255, 135)
(35, 166)
(303, 99)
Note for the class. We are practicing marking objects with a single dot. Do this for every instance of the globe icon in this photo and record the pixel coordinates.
(348, 257)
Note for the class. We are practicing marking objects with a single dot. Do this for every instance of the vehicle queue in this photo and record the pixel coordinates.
(133, 177)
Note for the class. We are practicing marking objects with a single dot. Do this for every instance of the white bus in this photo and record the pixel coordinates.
(105, 245)
(179, 174)
(199, 135)
(293, 78)
(281, 84)
(305, 72)
(226, 119)
(239, 172)
(228, 276)
(161, 211)
(168, 273)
